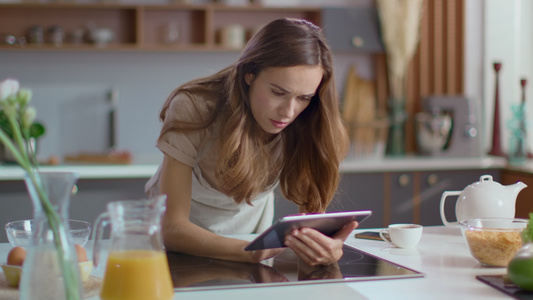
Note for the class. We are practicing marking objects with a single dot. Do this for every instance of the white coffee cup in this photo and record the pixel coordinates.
(402, 235)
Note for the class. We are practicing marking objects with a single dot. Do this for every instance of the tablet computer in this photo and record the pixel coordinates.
(327, 223)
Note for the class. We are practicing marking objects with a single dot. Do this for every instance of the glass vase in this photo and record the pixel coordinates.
(397, 119)
(51, 269)
(518, 138)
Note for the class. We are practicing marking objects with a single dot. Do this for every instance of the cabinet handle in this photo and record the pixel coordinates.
(74, 190)
(404, 179)
(432, 179)
(358, 42)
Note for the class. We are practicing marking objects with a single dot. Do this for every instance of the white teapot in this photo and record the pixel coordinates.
(483, 199)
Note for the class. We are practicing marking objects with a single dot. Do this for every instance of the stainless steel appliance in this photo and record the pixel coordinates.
(200, 273)
(462, 138)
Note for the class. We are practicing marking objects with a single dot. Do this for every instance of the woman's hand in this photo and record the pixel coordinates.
(314, 248)
(257, 256)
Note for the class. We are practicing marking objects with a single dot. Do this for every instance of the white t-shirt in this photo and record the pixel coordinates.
(211, 209)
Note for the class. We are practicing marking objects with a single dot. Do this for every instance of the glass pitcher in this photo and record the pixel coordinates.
(137, 266)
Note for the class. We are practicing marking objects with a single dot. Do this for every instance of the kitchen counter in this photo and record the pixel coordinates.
(86, 171)
(442, 256)
(421, 163)
(348, 166)
(527, 167)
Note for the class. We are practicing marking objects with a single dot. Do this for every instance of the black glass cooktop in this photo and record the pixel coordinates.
(201, 273)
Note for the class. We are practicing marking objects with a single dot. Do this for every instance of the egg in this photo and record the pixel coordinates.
(16, 256)
(80, 251)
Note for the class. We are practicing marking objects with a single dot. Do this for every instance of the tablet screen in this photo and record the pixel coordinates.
(328, 224)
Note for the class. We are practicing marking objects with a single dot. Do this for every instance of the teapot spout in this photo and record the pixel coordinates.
(516, 188)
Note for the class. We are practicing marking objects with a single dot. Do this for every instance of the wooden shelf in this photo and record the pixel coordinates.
(139, 27)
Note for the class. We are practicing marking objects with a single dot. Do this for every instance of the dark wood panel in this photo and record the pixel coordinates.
(524, 201)
(438, 64)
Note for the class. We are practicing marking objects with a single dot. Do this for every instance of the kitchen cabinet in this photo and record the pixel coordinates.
(194, 27)
(355, 192)
(353, 29)
(361, 192)
(141, 27)
(392, 194)
(414, 197)
(89, 201)
(398, 197)
(524, 201)
(431, 185)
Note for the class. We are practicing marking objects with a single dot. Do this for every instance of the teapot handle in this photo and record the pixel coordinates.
(442, 200)
(101, 222)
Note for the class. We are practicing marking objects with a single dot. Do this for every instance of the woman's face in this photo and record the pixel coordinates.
(279, 94)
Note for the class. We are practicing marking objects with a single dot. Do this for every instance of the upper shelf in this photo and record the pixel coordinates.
(172, 27)
(169, 27)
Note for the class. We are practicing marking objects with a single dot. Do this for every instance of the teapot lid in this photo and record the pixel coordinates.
(486, 181)
(485, 178)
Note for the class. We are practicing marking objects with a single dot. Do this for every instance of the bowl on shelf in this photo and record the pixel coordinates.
(19, 232)
(493, 241)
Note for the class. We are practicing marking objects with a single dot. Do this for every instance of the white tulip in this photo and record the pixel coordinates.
(28, 117)
(8, 87)
(24, 96)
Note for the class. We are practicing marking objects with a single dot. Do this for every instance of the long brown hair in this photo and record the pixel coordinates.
(313, 145)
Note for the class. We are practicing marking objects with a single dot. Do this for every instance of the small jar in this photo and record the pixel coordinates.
(36, 35)
(77, 36)
(56, 36)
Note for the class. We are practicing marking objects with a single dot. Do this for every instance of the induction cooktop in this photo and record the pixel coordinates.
(201, 273)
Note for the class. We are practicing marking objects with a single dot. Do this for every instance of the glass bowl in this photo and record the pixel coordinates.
(19, 232)
(493, 241)
(14, 273)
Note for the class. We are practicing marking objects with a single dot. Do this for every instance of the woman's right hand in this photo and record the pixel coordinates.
(257, 256)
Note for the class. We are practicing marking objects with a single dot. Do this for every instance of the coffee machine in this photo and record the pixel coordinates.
(457, 130)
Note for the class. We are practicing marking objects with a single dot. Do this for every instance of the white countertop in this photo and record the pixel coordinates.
(400, 164)
(421, 163)
(441, 255)
(11, 172)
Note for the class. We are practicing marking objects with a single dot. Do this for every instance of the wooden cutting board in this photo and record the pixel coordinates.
(111, 158)
(350, 97)
(359, 111)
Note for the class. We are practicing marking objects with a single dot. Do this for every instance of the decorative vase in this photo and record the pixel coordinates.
(496, 148)
(517, 141)
(51, 269)
(397, 119)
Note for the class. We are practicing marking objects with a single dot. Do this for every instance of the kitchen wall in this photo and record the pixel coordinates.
(70, 93)
(71, 88)
(507, 37)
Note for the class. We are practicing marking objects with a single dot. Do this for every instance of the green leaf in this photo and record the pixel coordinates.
(37, 130)
(4, 125)
(527, 233)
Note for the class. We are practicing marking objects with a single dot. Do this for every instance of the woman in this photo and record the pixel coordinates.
(229, 138)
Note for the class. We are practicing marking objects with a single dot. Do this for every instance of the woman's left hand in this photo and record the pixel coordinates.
(314, 248)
